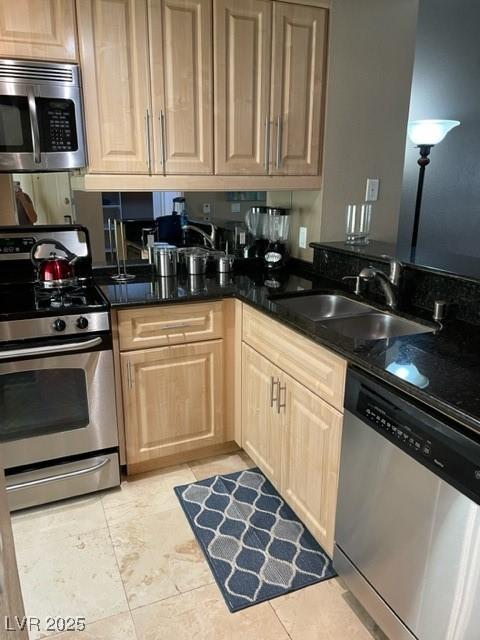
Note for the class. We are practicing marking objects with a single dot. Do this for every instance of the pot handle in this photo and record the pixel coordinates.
(55, 243)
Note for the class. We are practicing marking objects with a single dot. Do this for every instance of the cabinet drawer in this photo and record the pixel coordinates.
(161, 326)
(310, 364)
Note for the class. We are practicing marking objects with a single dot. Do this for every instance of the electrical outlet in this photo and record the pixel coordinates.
(235, 207)
(371, 192)
(302, 237)
(206, 208)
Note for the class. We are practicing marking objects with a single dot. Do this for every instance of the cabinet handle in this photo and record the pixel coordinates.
(266, 150)
(161, 121)
(280, 404)
(273, 384)
(129, 375)
(279, 141)
(177, 325)
(149, 149)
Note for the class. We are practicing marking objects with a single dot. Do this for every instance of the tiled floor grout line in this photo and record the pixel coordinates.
(118, 566)
(278, 618)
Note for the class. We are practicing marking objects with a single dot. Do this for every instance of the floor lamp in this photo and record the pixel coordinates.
(425, 134)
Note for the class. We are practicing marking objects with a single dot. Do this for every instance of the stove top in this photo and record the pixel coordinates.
(22, 301)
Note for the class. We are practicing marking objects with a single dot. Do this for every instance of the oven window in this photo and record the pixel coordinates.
(39, 402)
(57, 124)
(15, 130)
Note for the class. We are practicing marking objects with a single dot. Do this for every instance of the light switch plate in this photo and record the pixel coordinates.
(302, 237)
(371, 192)
(235, 207)
(206, 208)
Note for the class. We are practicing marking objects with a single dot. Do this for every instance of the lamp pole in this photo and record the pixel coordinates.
(422, 161)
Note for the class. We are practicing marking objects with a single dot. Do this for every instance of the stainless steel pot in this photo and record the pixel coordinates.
(165, 259)
(196, 263)
(225, 263)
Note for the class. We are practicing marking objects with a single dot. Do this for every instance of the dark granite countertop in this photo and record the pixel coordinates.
(447, 364)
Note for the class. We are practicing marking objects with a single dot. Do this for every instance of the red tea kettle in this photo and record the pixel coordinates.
(54, 272)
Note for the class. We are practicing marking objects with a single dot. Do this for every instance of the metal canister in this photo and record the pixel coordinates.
(225, 263)
(165, 258)
(196, 263)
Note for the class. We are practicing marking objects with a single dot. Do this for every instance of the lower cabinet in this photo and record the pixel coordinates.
(262, 424)
(294, 436)
(173, 399)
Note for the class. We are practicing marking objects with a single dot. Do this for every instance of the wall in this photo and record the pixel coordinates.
(446, 85)
(371, 57)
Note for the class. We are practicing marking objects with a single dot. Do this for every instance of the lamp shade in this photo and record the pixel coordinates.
(429, 132)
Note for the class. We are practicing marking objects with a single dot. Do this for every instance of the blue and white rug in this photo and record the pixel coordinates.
(256, 546)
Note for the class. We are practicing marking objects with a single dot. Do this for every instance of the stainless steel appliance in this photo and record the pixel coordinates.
(41, 116)
(408, 515)
(165, 260)
(58, 428)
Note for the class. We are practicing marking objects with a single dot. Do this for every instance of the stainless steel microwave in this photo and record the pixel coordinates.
(41, 117)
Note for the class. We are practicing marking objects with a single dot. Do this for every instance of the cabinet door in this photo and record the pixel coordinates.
(298, 82)
(113, 40)
(181, 44)
(242, 86)
(262, 425)
(42, 29)
(311, 460)
(173, 399)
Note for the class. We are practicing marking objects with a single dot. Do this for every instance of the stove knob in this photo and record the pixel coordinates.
(59, 324)
(82, 323)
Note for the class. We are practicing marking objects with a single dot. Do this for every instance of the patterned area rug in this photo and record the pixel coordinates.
(256, 546)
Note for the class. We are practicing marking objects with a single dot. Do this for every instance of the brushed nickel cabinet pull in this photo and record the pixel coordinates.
(279, 141)
(129, 375)
(148, 142)
(280, 404)
(266, 159)
(273, 384)
(163, 158)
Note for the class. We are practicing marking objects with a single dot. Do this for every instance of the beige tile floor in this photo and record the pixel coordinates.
(128, 562)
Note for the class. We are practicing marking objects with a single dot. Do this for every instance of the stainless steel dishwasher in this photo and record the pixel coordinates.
(408, 516)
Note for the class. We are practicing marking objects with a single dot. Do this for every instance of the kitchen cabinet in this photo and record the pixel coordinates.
(299, 52)
(173, 399)
(114, 57)
(38, 29)
(291, 427)
(269, 86)
(262, 428)
(181, 45)
(311, 460)
(242, 86)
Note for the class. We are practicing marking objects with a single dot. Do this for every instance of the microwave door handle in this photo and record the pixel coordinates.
(59, 348)
(32, 107)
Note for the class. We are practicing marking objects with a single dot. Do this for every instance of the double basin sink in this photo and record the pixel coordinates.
(350, 318)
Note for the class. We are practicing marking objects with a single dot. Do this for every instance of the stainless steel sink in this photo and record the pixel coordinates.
(375, 326)
(320, 306)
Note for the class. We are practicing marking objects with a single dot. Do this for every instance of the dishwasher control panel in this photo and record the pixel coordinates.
(402, 432)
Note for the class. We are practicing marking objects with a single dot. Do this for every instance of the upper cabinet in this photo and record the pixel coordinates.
(38, 29)
(114, 58)
(202, 88)
(243, 33)
(298, 81)
(182, 85)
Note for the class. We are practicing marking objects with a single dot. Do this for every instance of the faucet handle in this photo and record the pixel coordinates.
(358, 281)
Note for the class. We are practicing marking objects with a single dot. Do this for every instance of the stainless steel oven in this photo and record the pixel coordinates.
(57, 417)
(41, 117)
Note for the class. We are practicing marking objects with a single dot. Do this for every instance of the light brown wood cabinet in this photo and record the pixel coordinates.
(181, 44)
(38, 29)
(199, 88)
(291, 432)
(270, 63)
(173, 399)
(262, 429)
(114, 59)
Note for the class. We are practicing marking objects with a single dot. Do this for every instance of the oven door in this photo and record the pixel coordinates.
(58, 403)
(41, 128)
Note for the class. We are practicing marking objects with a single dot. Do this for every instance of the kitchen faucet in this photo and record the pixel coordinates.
(208, 239)
(389, 284)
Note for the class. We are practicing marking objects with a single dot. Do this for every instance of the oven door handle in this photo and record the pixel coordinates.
(59, 348)
(60, 476)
